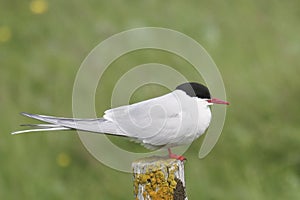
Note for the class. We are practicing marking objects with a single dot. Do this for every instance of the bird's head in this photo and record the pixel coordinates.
(200, 91)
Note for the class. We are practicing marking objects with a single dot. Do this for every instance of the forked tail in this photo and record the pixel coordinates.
(98, 125)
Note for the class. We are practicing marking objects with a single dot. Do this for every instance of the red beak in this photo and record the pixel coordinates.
(217, 101)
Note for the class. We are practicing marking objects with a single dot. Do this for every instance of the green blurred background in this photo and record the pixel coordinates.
(254, 43)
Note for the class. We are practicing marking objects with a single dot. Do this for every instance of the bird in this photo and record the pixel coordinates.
(173, 119)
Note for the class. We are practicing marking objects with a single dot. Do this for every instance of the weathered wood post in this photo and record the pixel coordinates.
(158, 178)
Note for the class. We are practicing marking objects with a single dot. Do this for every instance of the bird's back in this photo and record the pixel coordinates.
(169, 120)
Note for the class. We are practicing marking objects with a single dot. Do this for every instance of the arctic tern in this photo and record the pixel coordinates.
(176, 118)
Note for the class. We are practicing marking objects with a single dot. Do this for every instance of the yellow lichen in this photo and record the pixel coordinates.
(158, 181)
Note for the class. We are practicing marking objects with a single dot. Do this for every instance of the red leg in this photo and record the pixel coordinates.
(172, 155)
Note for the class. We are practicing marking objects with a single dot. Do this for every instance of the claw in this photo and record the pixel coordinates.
(177, 157)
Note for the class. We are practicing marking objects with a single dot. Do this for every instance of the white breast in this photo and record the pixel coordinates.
(170, 120)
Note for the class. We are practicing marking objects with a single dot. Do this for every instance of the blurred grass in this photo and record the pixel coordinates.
(255, 45)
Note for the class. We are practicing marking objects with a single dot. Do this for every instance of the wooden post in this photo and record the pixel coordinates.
(158, 178)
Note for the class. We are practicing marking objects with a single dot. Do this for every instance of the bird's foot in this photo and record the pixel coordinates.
(175, 156)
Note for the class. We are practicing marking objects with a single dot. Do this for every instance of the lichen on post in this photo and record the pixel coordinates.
(159, 178)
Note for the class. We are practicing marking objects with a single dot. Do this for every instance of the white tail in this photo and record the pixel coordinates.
(98, 125)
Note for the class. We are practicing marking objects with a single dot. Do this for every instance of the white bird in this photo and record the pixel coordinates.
(176, 118)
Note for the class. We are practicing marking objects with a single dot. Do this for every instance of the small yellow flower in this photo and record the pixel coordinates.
(63, 160)
(38, 6)
(5, 34)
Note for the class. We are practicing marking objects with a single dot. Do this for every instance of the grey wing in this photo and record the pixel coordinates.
(152, 122)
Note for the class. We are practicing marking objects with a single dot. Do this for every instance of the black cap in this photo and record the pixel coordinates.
(195, 90)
